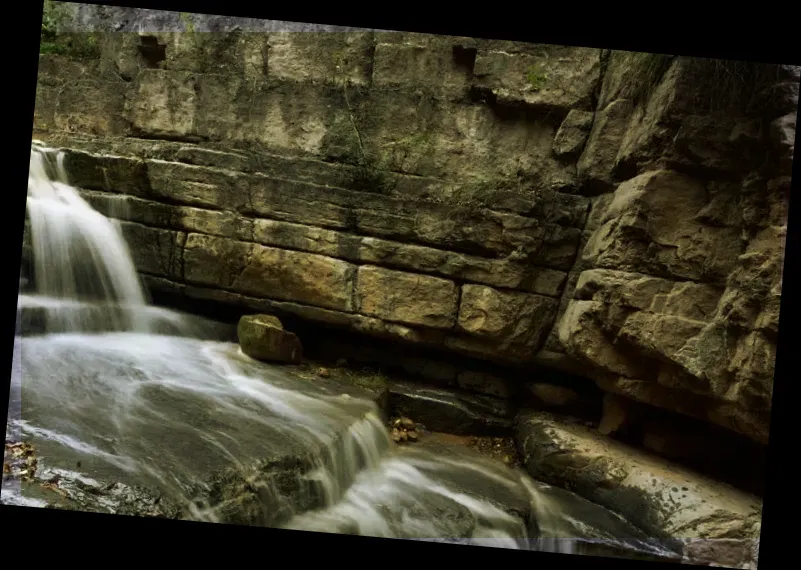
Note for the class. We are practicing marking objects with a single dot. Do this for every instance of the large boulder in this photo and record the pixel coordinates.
(263, 337)
(664, 500)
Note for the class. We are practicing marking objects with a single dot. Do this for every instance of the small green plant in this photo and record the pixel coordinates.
(53, 14)
(647, 71)
(536, 77)
(396, 154)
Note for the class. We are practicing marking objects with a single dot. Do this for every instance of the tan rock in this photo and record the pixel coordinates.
(597, 162)
(153, 250)
(263, 337)
(626, 289)
(406, 298)
(330, 56)
(753, 423)
(581, 332)
(265, 272)
(726, 552)
(509, 319)
(406, 64)
(659, 208)
(195, 185)
(659, 335)
(537, 78)
(572, 133)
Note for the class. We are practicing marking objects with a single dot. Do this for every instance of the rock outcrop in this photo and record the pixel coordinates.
(526, 204)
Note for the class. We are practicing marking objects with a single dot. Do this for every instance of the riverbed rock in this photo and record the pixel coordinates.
(450, 411)
(263, 337)
(254, 475)
(663, 499)
(549, 513)
(67, 489)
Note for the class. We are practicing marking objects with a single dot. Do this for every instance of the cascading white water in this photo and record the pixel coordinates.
(78, 253)
(168, 411)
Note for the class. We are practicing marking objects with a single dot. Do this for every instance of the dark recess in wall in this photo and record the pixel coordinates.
(465, 58)
(152, 52)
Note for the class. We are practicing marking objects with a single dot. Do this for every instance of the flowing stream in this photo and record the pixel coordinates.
(148, 397)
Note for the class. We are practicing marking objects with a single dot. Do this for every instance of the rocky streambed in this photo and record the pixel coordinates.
(482, 465)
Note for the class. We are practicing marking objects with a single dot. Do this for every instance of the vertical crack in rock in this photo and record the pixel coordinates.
(351, 280)
(232, 280)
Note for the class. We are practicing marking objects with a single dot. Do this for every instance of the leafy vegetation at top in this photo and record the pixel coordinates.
(79, 45)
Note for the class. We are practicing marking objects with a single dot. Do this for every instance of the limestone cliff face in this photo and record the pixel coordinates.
(524, 203)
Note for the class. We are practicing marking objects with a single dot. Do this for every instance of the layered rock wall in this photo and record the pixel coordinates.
(524, 203)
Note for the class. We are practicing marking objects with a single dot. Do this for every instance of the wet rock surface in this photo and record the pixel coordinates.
(550, 513)
(27, 481)
(451, 411)
(269, 459)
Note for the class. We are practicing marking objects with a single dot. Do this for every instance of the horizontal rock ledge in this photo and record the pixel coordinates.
(500, 273)
(371, 326)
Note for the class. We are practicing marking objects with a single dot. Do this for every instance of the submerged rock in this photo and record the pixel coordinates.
(552, 517)
(662, 499)
(450, 411)
(263, 337)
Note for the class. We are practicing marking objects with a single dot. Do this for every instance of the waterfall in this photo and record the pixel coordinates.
(79, 255)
